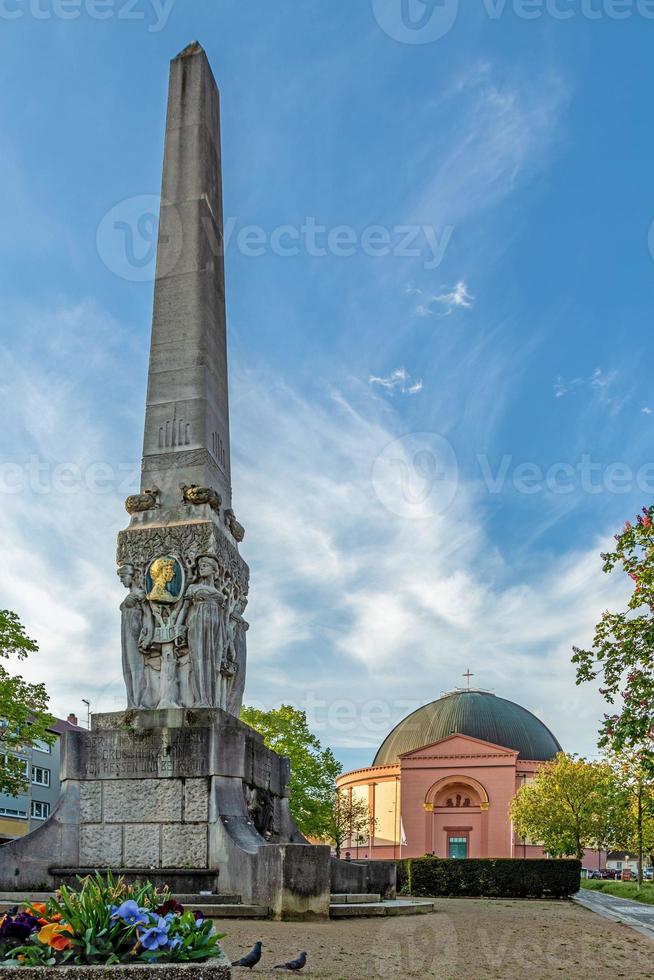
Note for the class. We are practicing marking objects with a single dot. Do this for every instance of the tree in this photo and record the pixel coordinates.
(313, 769)
(24, 717)
(634, 771)
(349, 819)
(623, 645)
(572, 804)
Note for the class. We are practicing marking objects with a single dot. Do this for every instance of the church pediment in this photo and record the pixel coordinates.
(459, 746)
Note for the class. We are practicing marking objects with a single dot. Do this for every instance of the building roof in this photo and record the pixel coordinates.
(479, 714)
(59, 726)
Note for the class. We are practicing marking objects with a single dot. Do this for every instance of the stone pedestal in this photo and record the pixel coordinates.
(189, 797)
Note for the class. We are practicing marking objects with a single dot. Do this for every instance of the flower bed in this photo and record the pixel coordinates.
(112, 928)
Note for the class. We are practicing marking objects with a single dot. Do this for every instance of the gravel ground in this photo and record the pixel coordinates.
(475, 939)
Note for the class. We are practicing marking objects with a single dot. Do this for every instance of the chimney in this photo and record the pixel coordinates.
(72, 719)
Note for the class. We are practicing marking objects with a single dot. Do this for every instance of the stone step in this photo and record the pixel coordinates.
(16, 898)
(351, 899)
(370, 910)
(212, 907)
(235, 911)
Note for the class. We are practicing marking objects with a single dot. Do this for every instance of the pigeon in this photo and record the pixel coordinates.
(252, 958)
(294, 965)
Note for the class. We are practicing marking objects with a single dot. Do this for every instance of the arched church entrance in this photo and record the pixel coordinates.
(456, 818)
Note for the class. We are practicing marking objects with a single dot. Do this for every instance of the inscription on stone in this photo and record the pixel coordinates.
(177, 753)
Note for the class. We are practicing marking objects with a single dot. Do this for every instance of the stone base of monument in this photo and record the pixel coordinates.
(190, 798)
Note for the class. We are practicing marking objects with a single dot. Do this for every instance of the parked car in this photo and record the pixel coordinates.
(609, 874)
(649, 874)
(627, 875)
(594, 874)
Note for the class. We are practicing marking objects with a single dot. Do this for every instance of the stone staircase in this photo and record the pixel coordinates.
(342, 906)
(350, 906)
(212, 906)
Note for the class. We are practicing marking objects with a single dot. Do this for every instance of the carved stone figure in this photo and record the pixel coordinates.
(261, 810)
(136, 635)
(204, 617)
(238, 628)
(142, 502)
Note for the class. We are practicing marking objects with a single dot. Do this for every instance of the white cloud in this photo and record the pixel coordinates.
(350, 603)
(459, 296)
(456, 297)
(391, 609)
(599, 382)
(497, 134)
(646, 410)
(562, 387)
(397, 380)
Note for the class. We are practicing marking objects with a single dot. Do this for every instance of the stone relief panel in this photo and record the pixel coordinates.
(182, 625)
(261, 810)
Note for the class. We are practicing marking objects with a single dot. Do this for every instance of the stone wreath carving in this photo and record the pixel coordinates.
(201, 495)
(237, 530)
(141, 502)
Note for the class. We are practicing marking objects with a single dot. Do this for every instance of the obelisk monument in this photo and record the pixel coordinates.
(183, 627)
(187, 415)
(176, 788)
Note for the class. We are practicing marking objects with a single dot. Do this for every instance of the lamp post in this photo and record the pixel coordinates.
(88, 711)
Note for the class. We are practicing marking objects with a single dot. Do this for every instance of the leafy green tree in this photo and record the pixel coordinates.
(572, 804)
(313, 769)
(634, 770)
(349, 819)
(622, 653)
(24, 717)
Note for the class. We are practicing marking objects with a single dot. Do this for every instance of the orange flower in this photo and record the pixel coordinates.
(52, 935)
(36, 907)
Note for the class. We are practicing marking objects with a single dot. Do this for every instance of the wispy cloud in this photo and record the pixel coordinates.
(599, 383)
(342, 585)
(456, 297)
(398, 380)
(563, 387)
(497, 133)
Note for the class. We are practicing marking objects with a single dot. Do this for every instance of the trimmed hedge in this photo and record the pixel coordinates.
(431, 877)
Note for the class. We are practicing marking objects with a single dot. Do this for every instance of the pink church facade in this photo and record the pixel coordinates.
(450, 798)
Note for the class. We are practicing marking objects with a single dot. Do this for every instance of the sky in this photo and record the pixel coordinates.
(440, 278)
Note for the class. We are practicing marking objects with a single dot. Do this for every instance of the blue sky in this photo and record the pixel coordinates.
(395, 417)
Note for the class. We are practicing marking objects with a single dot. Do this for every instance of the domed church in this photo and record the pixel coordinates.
(443, 779)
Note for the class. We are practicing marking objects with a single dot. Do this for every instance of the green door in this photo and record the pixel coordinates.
(458, 847)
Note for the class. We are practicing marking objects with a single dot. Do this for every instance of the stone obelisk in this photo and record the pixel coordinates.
(187, 415)
(179, 557)
(176, 788)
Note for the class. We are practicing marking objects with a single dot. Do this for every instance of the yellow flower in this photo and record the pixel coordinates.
(52, 935)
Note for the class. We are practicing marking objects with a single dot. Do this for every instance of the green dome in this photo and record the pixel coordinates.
(479, 714)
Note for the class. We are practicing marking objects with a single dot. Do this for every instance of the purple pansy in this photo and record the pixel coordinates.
(18, 927)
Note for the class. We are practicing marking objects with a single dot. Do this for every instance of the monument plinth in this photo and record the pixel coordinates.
(177, 784)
